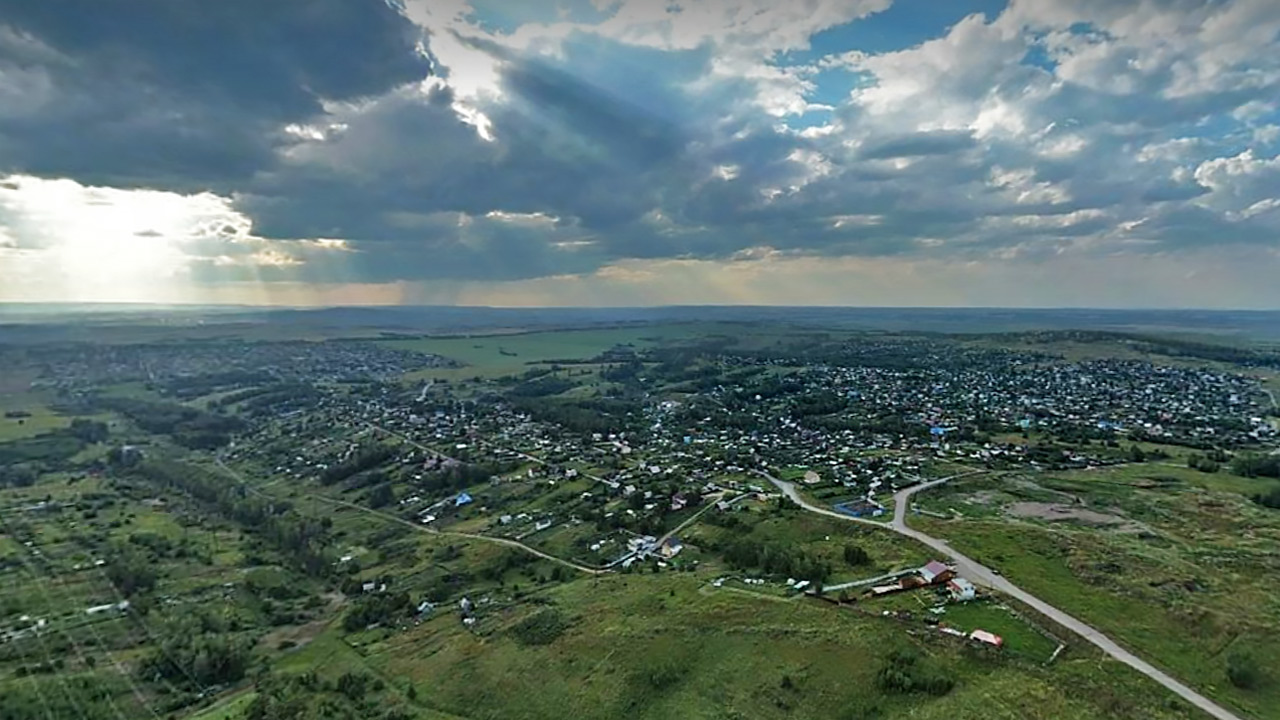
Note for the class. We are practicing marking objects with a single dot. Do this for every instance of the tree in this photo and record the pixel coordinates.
(90, 431)
(130, 572)
(381, 496)
(855, 555)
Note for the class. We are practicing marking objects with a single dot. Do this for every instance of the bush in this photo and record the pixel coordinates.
(541, 628)
(376, 608)
(662, 675)
(130, 572)
(855, 555)
(1257, 466)
(1271, 499)
(904, 673)
(1243, 670)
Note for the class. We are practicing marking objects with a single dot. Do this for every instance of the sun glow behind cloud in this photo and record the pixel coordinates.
(75, 243)
(82, 243)
(492, 152)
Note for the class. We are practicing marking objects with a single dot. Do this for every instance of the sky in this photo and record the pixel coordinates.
(1011, 153)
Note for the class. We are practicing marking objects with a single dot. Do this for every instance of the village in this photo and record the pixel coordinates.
(408, 492)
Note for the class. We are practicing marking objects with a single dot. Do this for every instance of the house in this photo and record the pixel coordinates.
(988, 638)
(812, 478)
(641, 544)
(935, 572)
(670, 548)
(961, 589)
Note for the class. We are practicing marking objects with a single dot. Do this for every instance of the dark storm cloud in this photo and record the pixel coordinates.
(174, 94)
(575, 147)
(602, 148)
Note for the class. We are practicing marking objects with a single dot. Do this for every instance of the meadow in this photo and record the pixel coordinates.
(496, 355)
(1184, 576)
(661, 647)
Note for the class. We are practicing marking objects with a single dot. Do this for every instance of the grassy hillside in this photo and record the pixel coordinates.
(1176, 564)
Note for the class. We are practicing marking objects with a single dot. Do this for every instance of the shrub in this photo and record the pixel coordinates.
(904, 673)
(541, 628)
(1243, 670)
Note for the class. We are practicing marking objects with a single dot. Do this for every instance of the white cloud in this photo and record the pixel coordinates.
(1240, 182)
(1061, 128)
(762, 26)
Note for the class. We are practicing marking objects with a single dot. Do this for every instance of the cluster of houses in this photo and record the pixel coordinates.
(939, 575)
(645, 547)
(933, 574)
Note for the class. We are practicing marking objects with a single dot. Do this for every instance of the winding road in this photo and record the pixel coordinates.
(982, 575)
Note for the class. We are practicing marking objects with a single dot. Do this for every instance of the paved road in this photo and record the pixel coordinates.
(982, 575)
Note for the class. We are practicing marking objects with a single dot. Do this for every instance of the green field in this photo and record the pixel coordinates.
(657, 647)
(512, 354)
(1184, 581)
(495, 355)
(42, 420)
(17, 395)
(1019, 637)
(232, 708)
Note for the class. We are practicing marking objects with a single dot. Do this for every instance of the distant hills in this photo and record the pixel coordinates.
(1257, 324)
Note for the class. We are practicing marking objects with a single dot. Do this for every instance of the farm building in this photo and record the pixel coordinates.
(936, 572)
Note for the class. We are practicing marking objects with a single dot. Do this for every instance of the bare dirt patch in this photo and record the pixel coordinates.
(983, 497)
(296, 636)
(1055, 512)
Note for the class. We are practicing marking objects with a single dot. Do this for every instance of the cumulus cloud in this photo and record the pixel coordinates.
(366, 142)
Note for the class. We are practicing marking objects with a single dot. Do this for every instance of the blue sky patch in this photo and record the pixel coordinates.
(905, 24)
(833, 85)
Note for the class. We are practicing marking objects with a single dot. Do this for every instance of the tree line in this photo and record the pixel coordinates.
(304, 541)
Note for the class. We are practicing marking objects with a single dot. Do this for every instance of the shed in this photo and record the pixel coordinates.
(989, 638)
(935, 572)
(462, 499)
(961, 589)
